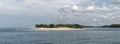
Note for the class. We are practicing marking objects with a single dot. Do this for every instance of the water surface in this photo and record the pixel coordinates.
(86, 36)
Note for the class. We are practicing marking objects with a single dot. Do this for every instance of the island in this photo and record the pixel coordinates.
(40, 27)
(112, 26)
(58, 26)
(70, 26)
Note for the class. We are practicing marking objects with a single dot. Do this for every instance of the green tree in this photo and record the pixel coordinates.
(51, 25)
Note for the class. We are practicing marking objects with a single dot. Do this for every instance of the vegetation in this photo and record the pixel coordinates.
(112, 26)
(58, 26)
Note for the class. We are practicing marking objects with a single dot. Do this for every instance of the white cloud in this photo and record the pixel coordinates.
(90, 8)
(74, 7)
(86, 11)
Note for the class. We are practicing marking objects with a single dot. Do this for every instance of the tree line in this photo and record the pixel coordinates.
(112, 26)
(58, 26)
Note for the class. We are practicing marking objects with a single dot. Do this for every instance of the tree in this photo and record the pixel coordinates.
(51, 25)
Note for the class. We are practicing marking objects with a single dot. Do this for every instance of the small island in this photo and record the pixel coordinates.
(58, 26)
(112, 26)
(70, 26)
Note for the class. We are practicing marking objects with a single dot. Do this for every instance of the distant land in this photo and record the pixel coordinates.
(58, 26)
(112, 26)
(74, 26)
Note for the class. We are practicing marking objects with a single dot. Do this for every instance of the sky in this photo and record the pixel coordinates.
(27, 13)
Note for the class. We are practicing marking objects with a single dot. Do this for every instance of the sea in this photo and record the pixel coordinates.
(80, 36)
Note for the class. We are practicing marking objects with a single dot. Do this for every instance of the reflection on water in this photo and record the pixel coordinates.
(86, 36)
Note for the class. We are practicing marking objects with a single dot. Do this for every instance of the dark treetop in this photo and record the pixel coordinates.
(112, 26)
(58, 26)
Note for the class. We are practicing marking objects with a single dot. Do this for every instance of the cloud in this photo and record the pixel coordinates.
(91, 8)
(116, 2)
(95, 11)
(84, 12)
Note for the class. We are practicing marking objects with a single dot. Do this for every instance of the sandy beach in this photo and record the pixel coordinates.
(39, 29)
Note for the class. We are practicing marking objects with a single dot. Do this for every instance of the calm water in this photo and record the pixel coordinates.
(86, 36)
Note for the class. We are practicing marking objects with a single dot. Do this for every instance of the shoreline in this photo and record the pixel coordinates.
(40, 29)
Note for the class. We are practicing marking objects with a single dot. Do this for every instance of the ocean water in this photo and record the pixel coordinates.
(84, 36)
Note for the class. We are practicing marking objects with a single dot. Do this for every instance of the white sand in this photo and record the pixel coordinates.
(39, 29)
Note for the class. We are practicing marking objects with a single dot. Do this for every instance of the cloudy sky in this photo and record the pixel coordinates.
(26, 13)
